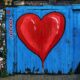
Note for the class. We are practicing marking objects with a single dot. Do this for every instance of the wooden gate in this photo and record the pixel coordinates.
(62, 58)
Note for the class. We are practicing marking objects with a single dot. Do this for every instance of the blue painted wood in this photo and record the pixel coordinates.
(10, 42)
(76, 39)
(63, 57)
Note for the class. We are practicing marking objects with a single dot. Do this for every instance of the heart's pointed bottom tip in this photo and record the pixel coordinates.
(42, 60)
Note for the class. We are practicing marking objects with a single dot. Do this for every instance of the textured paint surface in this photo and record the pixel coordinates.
(61, 58)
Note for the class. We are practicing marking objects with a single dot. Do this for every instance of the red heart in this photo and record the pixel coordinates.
(41, 35)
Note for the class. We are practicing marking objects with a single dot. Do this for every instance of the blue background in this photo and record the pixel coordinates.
(63, 57)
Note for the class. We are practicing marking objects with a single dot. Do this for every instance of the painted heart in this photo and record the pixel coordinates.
(41, 35)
